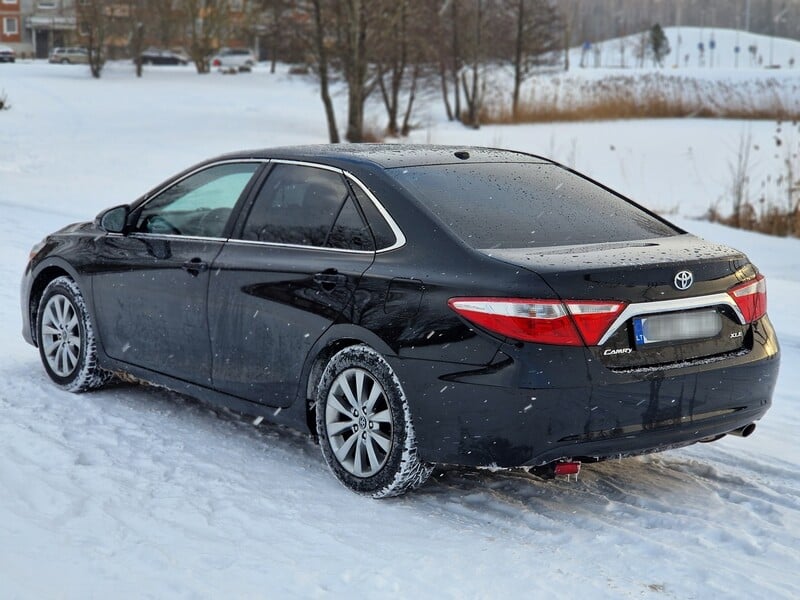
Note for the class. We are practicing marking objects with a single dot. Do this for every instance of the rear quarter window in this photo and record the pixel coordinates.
(526, 205)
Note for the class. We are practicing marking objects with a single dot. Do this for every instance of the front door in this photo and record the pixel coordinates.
(42, 42)
(150, 287)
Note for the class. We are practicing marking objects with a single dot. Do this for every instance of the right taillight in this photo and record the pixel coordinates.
(751, 298)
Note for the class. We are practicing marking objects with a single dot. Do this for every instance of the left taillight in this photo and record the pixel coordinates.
(751, 298)
(569, 323)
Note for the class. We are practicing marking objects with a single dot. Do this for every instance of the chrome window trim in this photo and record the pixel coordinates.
(168, 236)
(302, 163)
(297, 246)
(399, 236)
(662, 306)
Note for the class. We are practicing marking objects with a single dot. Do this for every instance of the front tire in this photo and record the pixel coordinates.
(65, 337)
(364, 425)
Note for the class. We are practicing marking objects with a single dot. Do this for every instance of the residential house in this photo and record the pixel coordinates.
(11, 24)
(47, 25)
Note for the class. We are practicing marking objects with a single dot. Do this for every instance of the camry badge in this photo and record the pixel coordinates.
(683, 280)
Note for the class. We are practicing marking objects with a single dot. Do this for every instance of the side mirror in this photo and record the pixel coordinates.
(114, 220)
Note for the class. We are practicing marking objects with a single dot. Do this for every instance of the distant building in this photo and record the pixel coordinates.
(11, 24)
(46, 24)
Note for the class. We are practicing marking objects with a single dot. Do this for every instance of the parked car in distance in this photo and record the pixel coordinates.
(7, 54)
(238, 58)
(161, 56)
(69, 56)
(412, 306)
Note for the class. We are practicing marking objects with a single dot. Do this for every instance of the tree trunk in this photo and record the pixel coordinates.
(355, 67)
(137, 42)
(456, 66)
(445, 93)
(412, 94)
(322, 58)
(518, 46)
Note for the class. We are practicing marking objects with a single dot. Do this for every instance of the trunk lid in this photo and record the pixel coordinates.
(643, 274)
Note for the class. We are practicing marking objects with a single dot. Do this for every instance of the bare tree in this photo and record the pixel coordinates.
(393, 61)
(471, 77)
(95, 18)
(139, 11)
(355, 18)
(206, 23)
(277, 10)
(442, 36)
(321, 51)
(163, 21)
(456, 58)
(537, 39)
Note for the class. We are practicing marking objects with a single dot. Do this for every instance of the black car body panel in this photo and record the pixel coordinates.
(250, 324)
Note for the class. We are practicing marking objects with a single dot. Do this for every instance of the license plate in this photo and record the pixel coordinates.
(676, 327)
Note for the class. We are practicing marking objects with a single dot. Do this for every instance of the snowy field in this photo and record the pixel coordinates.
(132, 492)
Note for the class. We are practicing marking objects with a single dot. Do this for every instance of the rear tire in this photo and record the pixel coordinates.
(364, 425)
(65, 337)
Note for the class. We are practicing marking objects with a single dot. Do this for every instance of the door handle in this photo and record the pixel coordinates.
(329, 279)
(195, 266)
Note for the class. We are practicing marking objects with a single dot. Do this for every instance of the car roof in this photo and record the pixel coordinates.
(390, 156)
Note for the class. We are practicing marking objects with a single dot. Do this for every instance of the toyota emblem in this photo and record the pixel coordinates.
(684, 280)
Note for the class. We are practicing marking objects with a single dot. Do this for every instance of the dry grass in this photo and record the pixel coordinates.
(777, 209)
(652, 96)
(373, 134)
(772, 220)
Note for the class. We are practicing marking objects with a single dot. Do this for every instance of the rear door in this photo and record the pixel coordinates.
(288, 274)
(150, 285)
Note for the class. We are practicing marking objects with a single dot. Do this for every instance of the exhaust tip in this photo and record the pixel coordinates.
(745, 431)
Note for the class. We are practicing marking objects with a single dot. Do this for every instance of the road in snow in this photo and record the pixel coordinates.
(134, 492)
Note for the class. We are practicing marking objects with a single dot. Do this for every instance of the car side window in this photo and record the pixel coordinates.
(350, 232)
(306, 206)
(199, 205)
(381, 231)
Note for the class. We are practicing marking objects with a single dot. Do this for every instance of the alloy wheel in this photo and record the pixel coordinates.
(61, 335)
(358, 422)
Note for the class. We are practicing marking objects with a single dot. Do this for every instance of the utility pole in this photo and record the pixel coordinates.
(747, 15)
(775, 21)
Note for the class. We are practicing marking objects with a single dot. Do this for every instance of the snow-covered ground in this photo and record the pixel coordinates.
(755, 51)
(134, 492)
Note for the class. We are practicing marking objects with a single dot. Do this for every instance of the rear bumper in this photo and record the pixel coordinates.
(534, 405)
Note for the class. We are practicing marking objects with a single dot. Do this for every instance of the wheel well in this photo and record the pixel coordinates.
(315, 374)
(37, 289)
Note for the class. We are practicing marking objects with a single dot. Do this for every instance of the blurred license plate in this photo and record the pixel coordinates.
(674, 327)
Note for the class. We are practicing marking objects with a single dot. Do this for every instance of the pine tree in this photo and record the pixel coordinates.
(659, 44)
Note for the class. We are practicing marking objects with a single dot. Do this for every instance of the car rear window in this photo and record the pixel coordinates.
(526, 205)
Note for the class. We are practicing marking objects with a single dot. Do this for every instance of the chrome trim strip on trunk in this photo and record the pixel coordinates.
(663, 306)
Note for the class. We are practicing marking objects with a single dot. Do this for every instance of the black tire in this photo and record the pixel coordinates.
(400, 469)
(72, 367)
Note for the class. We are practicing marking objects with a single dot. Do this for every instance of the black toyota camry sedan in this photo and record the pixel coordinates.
(412, 306)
